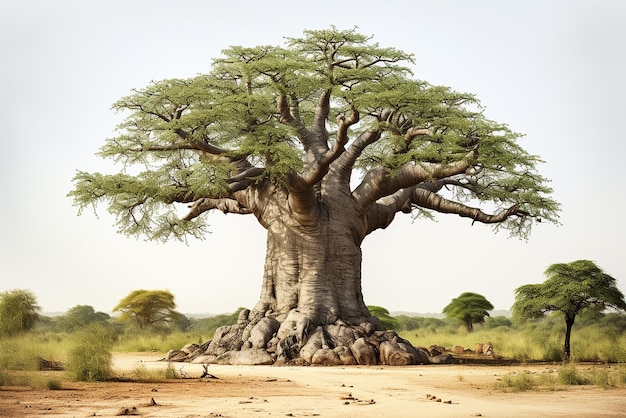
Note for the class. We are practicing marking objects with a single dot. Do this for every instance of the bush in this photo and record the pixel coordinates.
(517, 382)
(22, 352)
(569, 375)
(90, 359)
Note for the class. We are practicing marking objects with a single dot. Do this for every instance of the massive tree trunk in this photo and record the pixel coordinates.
(311, 308)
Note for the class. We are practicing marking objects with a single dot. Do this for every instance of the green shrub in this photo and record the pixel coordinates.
(31, 379)
(22, 352)
(142, 341)
(141, 373)
(90, 359)
(171, 373)
(601, 377)
(569, 375)
(53, 384)
(552, 352)
(517, 382)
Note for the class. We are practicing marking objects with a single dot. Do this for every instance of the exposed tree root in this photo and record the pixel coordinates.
(257, 339)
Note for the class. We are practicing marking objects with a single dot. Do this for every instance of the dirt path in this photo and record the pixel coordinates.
(259, 391)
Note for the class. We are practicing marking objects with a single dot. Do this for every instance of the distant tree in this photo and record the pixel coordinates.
(469, 308)
(383, 316)
(18, 311)
(81, 315)
(570, 289)
(148, 307)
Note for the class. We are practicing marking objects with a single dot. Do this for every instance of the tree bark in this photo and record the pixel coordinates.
(567, 352)
(311, 309)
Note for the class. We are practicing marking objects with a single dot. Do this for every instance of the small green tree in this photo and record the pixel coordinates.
(570, 289)
(18, 311)
(148, 307)
(469, 308)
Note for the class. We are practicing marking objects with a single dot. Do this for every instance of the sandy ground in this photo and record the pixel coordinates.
(260, 391)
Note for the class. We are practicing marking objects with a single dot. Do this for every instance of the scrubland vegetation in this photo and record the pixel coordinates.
(597, 337)
(86, 349)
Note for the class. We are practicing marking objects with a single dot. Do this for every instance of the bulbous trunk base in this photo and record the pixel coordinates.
(258, 339)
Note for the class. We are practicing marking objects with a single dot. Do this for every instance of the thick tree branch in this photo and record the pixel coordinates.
(344, 164)
(321, 115)
(244, 179)
(321, 167)
(194, 145)
(383, 212)
(226, 205)
(380, 182)
(287, 114)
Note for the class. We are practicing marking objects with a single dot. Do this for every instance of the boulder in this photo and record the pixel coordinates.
(442, 359)
(263, 332)
(345, 355)
(488, 349)
(393, 354)
(204, 359)
(436, 350)
(363, 352)
(190, 348)
(316, 342)
(176, 355)
(250, 357)
(326, 357)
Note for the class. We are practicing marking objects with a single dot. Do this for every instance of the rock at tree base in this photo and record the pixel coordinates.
(263, 340)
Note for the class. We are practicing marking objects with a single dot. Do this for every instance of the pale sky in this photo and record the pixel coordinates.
(553, 70)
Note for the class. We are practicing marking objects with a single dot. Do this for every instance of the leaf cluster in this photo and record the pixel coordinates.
(186, 139)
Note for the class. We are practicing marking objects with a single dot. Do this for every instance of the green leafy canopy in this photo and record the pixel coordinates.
(148, 307)
(469, 308)
(184, 140)
(569, 289)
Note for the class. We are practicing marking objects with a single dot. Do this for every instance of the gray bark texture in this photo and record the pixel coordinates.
(311, 308)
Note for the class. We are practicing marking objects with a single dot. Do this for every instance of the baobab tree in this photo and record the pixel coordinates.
(324, 140)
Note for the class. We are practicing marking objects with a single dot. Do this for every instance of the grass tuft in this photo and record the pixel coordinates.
(513, 382)
(569, 375)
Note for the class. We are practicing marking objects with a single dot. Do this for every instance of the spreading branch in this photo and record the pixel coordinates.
(425, 196)
(225, 205)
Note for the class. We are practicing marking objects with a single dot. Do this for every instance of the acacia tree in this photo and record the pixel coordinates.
(469, 308)
(18, 311)
(570, 289)
(148, 307)
(324, 141)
